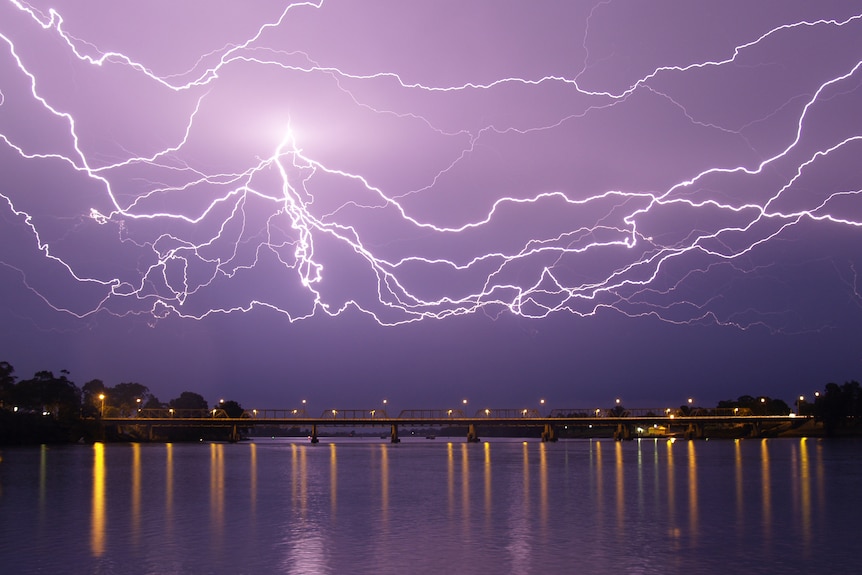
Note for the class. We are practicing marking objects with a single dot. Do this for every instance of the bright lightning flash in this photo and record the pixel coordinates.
(276, 161)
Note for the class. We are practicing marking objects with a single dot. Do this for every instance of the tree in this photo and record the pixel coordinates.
(128, 397)
(839, 406)
(7, 381)
(758, 405)
(91, 405)
(47, 393)
(189, 400)
(232, 408)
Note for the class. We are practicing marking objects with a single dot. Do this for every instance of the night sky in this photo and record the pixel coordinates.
(430, 201)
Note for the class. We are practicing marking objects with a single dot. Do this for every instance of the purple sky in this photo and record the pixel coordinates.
(433, 201)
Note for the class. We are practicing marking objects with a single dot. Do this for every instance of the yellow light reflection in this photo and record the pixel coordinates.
(97, 514)
(543, 485)
(253, 474)
(692, 490)
(526, 453)
(169, 483)
(333, 478)
(487, 448)
(217, 488)
(465, 485)
(766, 485)
(384, 481)
(600, 481)
(671, 493)
(450, 476)
(620, 482)
(136, 493)
(805, 488)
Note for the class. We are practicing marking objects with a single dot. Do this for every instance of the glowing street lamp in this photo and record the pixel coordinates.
(799, 405)
(102, 410)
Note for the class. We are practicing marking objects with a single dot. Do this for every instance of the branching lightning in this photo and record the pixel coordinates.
(265, 175)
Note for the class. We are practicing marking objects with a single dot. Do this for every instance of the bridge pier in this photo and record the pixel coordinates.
(314, 438)
(472, 436)
(394, 434)
(694, 431)
(623, 431)
(549, 434)
(234, 434)
(755, 429)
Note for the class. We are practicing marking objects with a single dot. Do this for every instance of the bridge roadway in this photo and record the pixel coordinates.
(627, 423)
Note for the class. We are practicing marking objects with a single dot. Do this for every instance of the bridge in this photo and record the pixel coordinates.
(626, 423)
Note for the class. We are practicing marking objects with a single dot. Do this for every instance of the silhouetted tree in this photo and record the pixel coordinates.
(762, 405)
(45, 392)
(839, 406)
(153, 403)
(189, 400)
(232, 408)
(125, 397)
(7, 381)
(90, 402)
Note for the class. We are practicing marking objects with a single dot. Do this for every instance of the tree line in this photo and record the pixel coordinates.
(49, 407)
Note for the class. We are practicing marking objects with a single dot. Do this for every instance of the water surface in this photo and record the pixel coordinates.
(433, 506)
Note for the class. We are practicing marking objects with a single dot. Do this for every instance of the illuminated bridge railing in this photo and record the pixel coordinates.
(431, 414)
(276, 413)
(507, 413)
(169, 412)
(650, 412)
(354, 414)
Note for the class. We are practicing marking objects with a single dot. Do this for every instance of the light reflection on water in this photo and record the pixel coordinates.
(362, 506)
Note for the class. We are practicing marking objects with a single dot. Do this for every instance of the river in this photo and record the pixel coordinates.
(354, 506)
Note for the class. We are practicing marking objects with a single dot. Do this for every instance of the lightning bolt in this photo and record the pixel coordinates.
(265, 176)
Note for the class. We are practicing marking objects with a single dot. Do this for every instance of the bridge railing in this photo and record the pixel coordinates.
(369, 414)
(620, 411)
(276, 413)
(507, 413)
(170, 412)
(431, 414)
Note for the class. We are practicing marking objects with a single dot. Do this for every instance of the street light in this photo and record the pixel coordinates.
(102, 410)
(799, 405)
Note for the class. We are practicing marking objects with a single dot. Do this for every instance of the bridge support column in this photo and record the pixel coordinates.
(622, 432)
(234, 434)
(549, 434)
(755, 429)
(472, 436)
(314, 434)
(394, 434)
(150, 435)
(694, 431)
